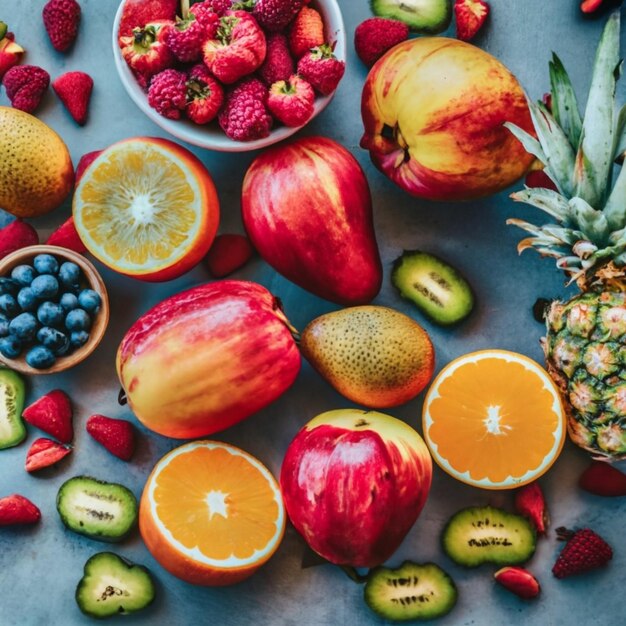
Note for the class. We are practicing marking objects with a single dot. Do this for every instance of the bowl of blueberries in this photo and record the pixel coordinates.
(54, 309)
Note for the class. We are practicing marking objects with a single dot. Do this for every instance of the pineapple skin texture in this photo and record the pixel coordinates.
(585, 349)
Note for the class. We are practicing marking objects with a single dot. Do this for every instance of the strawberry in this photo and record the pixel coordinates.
(117, 436)
(185, 37)
(218, 7)
(168, 93)
(16, 509)
(10, 52)
(15, 236)
(65, 236)
(275, 15)
(470, 16)
(52, 413)
(74, 91)
(44, 453)
(585, 550)
(26, 86)
(278, 64)
(85, 161)
(61, 19)
(306, 32)
(376, 35)
(205, 95)
(238, 48)
(244, 116)
(603, 479)
(529, 501)
(538, 178)
(322, 69)
(146, 52)
(519, 581)
(227, 254)
(291, 101)
(138, 13)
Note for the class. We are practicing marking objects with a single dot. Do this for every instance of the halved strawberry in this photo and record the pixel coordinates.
(52, 413)
(16, 509)
(518, 581)
(470, 16)
(529, 501)
(44, 453)
(117, 436)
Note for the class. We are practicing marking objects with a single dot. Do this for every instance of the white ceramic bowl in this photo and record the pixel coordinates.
(211, 136)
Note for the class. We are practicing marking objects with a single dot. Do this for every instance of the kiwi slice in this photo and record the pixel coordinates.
(421, 16)
(478, 535)
(435, 287)
(97, 509)
(112, 585)
(12, 391)
(410, 592)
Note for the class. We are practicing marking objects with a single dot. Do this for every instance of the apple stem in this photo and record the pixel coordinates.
(354, 575)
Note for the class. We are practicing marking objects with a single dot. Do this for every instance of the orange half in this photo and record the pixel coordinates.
(211, 513)
(494, 419)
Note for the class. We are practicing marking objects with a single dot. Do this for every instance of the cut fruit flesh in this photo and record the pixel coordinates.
(422, 16)
(494, 419)
(12, 391)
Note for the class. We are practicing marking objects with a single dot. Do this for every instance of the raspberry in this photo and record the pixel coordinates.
(278, 64)
(585, 550)
(373, 37)
(322, 69)
(185, 38)
(244, 116)
(61, 19)
(275, 15)
(207, 14)
(168, 93)
(219, 7)
(26, 85)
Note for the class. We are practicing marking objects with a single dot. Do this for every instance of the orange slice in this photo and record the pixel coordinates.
(494, 419)
(147, 208)
(211, 513)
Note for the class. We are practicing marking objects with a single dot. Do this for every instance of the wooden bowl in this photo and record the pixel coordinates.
(100, 321)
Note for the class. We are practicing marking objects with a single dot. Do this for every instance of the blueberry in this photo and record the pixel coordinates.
(79, 338)
(24, 327)
(53, 339)
(68, 301)
(10, 347)
(77, 320)
(4, 325)
(46, 264)
(27, 299)
(89, 300)
(8, 286)
(69, 274)
(40, 358)
(51, 314)
(23, 275)
(45, 286)
(65, 348)
(9, 305)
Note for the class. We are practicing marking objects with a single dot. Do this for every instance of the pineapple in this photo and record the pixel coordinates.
(585, 343)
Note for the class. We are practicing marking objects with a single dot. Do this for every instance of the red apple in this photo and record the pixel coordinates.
(308, 211)
(354, 482)
(207, 358)
(433, 110)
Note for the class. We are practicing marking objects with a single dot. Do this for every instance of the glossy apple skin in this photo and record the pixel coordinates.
(307, 209)
(354, 483)
(207, 358)
(433, 110)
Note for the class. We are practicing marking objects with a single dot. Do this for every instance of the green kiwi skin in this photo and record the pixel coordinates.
(435, 16)
(467, 525)
(98, 602)
(13, 385)
(419, 592)
(414, 268)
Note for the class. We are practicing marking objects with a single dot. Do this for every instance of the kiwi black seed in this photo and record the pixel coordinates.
(478, 535)
(427, 16)
(411, 592)
(97, 509)
(435, 287)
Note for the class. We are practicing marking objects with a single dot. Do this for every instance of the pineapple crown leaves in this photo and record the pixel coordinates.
(579, 155)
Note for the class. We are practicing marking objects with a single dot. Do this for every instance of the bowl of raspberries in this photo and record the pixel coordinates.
(230, 75)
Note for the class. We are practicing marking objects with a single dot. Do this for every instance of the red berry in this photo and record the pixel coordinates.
(275, 15)
(138, 13)
(227, 254)
(15, 236)
(52, 413)
(292, 101)
(168, 93)
(530, 503)
(74, 91)
(185, 38)
(208, 16)
(85, 161)
(16, 509)
(44, 453)
(603, 479)
(26, 86)
(322, 69)
(377, 35)
(518, 581)
(205, 95)
(278, 64)
(61, 19)
(470, 16)
(245, 117)
(306, 32)
(66, 236)
(585, 550)
(538, 178)
(117, 436)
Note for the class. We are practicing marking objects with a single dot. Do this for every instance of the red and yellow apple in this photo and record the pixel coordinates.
(433, 110)
(354, 483)
(307, 209)
(207, 358)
